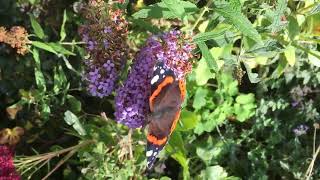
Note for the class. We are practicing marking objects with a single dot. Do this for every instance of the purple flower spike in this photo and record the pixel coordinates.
(132, 105)
(106, 44)
(132, 99)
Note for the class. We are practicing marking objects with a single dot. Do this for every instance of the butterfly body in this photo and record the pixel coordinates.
(167, 95)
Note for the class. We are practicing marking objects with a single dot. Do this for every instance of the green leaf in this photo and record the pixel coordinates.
(245, 98)
(244, 111)
(59, 79)
(74, 103)
(208, 56)
(200, 98)
(280, 68)
(238, 20)
(62, 30)
(60, 49)
(178, 152)
(214, 172)
(36, 27)
(175, 7)
(73, 120)
(45, 110)
(201, 37)
(203, 73)
(293, 27)
(40, 80)
(160, 10)
(188, 120)
(43, 46)
(277, 23)
(253, 77)
(313, 59)
(290, 54)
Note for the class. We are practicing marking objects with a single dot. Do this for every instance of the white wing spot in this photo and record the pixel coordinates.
(149, 153)
(154, 79)
(155, 68)
(161, 71)
(155, 153)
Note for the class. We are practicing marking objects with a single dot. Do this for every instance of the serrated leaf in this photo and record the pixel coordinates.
(43, 46)
(277, 23)
(215, 172)
(245, 98)
(36, 27)
(208, 56)
(175, 7)
(200, 98)
(239, 21)
(188, 120)
(73, 120)
(62, 30)
(290, 54)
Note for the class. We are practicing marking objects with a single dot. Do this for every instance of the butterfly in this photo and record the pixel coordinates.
(167, 95)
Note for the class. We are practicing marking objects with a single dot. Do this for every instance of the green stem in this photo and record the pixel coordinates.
(205, 9)
(294, 44)
(72, 43)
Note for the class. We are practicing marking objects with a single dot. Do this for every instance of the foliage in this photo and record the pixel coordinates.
(252, 105)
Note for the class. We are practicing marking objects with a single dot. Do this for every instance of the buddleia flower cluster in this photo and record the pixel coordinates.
(172, 48)
(17, 38)
(104, 33)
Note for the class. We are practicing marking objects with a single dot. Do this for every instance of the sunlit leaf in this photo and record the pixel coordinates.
(43, 46)
(207, 56)
(290, 54)
(73, 121)
(36, 27)
(63, 30)
(239, 21)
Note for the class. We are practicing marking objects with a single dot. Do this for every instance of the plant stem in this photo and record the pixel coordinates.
(72, 43)
(205, 9)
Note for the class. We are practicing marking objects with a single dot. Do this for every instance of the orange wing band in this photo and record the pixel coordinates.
(166, 81)
(156, 141)
(182, 86)
(176, 119)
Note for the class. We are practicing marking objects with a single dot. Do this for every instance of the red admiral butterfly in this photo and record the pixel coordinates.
(167, 95)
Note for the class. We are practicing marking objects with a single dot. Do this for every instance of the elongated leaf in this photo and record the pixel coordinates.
(73, 120)
(290, 54)
(277, 23)
(43, 46)
(40, 80)
(201, 37)
(58, 48)
(175, 7)
(208, 56)
(160, 10)
(36, 27)
(62, 30)
(239, 21)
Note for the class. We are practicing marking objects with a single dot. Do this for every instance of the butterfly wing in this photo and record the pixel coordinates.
(165, 103)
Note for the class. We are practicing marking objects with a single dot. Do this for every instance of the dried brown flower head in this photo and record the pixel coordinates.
(17, 38)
